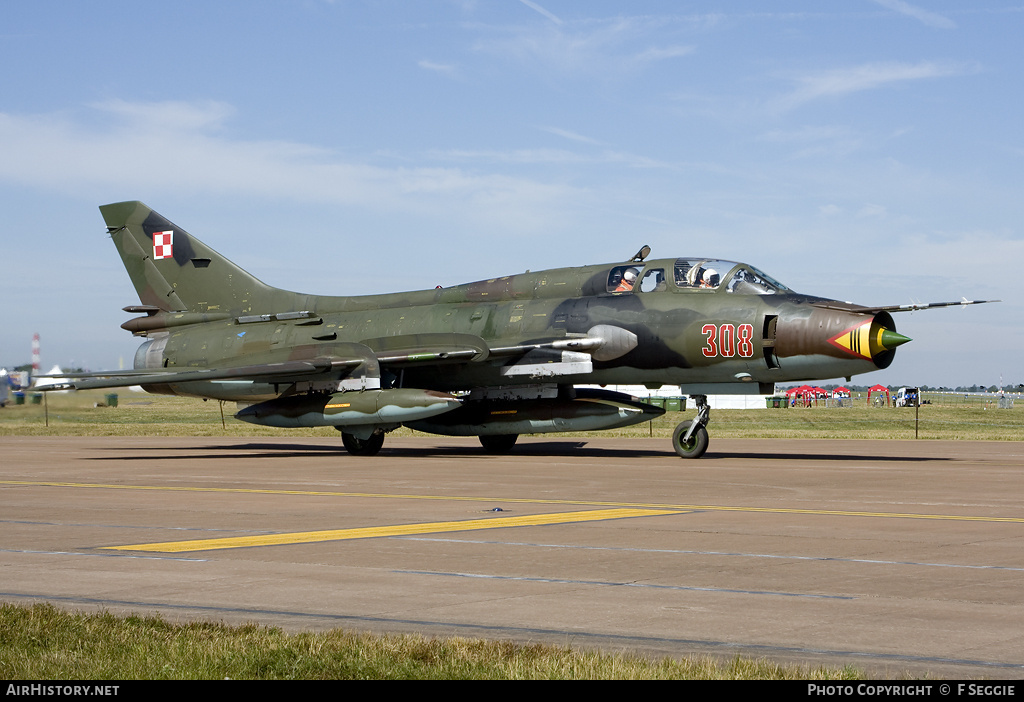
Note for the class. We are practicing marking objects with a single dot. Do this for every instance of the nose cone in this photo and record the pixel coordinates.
(888, 339)
(249, 414)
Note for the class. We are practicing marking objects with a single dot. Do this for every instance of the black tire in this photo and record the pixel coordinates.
(695, 447)
(498, 443)
(363, 447)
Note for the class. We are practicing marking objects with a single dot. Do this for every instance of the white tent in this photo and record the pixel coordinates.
(714, 401)
(56, 372)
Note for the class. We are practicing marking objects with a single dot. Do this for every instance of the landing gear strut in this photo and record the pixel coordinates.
(690, 439)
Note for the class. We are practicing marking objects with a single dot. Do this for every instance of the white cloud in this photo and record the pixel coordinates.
(872, 210)
(436, 67)
(816, 141)
(931, 19)
(572, 136)
(965, 254)
(869, 76)
(544, 157)
(606, 47)
(659, 54)
(170, 115)
(541, 10)
(179, 146)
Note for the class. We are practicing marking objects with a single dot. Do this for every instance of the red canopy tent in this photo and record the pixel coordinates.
(879, 389)
(804, 392)
(841, 392)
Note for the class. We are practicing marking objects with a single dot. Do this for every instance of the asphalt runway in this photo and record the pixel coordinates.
(897, 557)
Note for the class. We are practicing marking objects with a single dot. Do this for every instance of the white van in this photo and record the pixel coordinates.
(908, 397)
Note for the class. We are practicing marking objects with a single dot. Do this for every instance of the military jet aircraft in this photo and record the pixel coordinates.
(493, 359)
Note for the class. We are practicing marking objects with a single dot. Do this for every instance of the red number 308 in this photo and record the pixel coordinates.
(728, 340)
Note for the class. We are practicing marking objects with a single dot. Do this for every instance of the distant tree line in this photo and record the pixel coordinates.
(1008, 387)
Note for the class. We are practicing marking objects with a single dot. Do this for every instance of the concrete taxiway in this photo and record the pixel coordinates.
(892, 556)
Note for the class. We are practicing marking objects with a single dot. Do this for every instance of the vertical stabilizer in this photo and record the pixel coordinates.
(174, 271)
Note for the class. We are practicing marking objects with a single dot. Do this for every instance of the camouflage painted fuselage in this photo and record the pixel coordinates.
(493, 359)
(205, 312)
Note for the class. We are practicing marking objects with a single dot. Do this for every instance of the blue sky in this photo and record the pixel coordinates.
(868, 150)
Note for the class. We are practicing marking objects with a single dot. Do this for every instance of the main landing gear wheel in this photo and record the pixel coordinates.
(695, 446)
(498, 443)
(363, 447)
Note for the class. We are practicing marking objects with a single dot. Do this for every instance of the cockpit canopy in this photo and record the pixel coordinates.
(692, 274)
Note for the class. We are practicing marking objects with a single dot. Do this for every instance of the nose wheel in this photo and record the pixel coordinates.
(690, 438)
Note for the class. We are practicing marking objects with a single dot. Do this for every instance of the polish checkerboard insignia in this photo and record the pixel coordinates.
(163, 245)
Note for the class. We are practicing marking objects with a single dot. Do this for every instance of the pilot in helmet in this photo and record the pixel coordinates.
(628, 280)
(709, 279)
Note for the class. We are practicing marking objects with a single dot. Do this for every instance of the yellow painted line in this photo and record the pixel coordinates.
(522, 500)
(852, 513)
(307, 537)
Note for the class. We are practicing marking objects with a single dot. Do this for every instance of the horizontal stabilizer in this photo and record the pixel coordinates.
(291, 371)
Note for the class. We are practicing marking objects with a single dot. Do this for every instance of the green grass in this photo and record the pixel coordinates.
(139, 414)
(41, 642)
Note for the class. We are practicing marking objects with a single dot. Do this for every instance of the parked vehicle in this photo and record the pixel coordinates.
(908, 397)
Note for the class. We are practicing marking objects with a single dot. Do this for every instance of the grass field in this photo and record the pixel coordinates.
(139, 414)
(42, 642)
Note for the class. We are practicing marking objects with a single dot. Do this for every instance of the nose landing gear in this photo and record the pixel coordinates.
(690, 438)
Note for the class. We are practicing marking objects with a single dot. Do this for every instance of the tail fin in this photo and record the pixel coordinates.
(174, 271)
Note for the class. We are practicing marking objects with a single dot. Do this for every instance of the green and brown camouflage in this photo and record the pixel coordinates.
(493, 358)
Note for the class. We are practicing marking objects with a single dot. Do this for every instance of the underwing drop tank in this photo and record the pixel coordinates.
(582, 410)
(345, 409)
